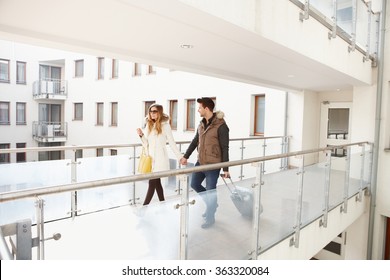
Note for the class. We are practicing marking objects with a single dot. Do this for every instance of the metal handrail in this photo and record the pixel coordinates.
(14, 195)
(80, 147)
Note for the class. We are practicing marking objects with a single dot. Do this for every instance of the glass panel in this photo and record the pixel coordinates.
(35, 175)
(362, 25)
(355, 171)
(128, 232)
(344, 15)
(104, 168)
(337, 181)
(313, 192)
(234, 243)
(279, 201)
(323, 6)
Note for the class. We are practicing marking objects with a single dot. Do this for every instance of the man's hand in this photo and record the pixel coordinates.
(226, 174)
(183, 161)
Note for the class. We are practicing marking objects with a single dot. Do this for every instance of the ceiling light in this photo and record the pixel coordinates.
(186, 46)
(290, 76)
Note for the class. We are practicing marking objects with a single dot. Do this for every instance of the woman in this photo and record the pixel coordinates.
(157, 133)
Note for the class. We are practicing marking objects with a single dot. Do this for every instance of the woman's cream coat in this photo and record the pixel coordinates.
(156, 145)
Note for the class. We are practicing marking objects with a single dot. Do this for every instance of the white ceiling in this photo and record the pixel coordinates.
(152, 31)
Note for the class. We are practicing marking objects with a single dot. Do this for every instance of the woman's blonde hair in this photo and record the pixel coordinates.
(160, 118)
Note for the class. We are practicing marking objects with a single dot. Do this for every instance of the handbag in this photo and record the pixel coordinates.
(145, 163)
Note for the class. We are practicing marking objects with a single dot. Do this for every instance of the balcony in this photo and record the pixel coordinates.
(50, 131)
(316, 201)
(54, 89)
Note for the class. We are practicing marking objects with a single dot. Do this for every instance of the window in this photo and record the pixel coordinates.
(173, 114)
(113, 152)
(190, 118)
(99, 152)
(20, 113)
(259, 115)
(4, 158)
(99, 114)
(21, 157)
(146, 107)
(100, 68)
(151, 70)
(4, 70)
(137, 69)
(79, 154)
(20, 72)
(114, 113)
(115, 69)
(78, 112)
(79, 68)
(4, 113)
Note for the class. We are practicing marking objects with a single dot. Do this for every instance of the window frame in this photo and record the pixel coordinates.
(115, 69)
(24, 121)
(5, 158)
(99, 119)
(18, 80)
(8, 121)
(75, 115)
(7, 74)
(21, 157)
(173, 108)
(77, 73)
(188, 111)
(255, 115)
(100, 73)
(114, 114)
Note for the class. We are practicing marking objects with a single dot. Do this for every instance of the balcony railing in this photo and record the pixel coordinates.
(290, 199)
(50, 89)
(50, 131)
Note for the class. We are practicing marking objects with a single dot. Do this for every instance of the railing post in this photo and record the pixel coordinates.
(264, 148)
(73, 172)
(242, 157)
(324, 220)
(363, 159)
(295, 239)
(371, 159)
(368, 46)
(134, 158)
(353, 32)
(344, 207)
(333, 33)
(40, 204)
(284, 160)
(184, 214)
(256, 211)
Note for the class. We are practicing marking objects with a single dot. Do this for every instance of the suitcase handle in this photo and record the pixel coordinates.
(231, 181)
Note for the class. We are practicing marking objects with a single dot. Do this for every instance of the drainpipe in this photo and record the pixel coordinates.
(377, 129)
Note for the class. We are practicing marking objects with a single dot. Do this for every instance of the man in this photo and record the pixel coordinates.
(212, 142)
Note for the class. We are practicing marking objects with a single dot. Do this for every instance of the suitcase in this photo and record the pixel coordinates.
(242, 199)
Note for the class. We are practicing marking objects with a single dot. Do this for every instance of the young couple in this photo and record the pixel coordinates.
(211, 140)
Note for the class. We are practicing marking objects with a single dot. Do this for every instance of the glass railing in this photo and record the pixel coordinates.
(289, 200)
(353, 20)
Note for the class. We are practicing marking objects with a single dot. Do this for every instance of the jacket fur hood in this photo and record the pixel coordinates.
(219, 114)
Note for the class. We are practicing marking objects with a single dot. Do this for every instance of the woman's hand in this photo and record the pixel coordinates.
(140, 133)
